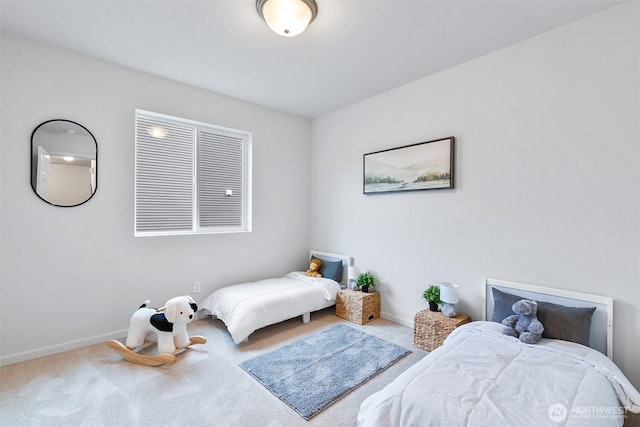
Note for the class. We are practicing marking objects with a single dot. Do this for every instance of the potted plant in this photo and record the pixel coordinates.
(432, 295)
(365, 281)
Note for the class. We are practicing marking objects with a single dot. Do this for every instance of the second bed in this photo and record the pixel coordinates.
(247, 307)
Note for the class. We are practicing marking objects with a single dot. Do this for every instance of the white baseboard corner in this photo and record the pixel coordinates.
(71, 345)
(395, 319)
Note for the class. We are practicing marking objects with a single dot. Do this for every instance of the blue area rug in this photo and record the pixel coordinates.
(315, 371)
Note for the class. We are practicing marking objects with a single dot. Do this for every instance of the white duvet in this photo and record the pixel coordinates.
(480, 377)
(247, 307)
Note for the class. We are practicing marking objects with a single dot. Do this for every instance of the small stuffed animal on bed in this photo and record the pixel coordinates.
(524, 324)
(314, 268)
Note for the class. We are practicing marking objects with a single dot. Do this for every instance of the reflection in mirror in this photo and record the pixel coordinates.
(64, 161)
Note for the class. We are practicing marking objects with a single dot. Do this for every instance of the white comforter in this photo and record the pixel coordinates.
(481, 377)
(247, 307)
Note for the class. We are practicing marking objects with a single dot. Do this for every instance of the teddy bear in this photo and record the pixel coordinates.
(314, 268)
(524, 324)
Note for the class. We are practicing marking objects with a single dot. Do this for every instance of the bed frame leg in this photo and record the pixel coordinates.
(306, 317)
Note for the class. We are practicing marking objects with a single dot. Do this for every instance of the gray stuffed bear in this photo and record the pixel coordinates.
(524, 324)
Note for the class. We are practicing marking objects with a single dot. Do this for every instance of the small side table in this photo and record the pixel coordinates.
(358, 307)
(430, 328)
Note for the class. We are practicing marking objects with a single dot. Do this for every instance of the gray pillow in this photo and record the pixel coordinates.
(502, 303)
(566, 323)
(330, 269)
(559, 321)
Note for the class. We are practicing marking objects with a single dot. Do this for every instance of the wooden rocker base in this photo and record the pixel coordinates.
(153, 359)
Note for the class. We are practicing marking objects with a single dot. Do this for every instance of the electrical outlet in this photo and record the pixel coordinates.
(382, 286)
(196, 287)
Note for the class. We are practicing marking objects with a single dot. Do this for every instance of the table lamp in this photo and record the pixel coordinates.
(352, 276)
(449, 298)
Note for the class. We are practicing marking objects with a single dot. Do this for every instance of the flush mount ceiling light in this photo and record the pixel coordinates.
(287, 18)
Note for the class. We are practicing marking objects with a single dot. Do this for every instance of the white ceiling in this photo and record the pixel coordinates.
(354, 49)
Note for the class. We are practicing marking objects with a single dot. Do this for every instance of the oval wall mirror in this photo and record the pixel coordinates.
(64, 163)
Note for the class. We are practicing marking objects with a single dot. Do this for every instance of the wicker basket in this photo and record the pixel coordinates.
(431, 328)
(358, 307)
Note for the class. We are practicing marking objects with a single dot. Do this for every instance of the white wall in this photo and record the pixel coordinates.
(71, 276)
(547, 187)
(547, 176)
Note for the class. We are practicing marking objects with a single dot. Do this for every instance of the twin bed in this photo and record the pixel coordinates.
(479, 376)
(247, 307)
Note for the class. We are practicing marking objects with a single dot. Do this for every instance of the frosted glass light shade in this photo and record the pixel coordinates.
(287, 18)
(448, 293)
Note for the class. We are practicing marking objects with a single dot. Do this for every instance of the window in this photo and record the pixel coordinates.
(190, 177)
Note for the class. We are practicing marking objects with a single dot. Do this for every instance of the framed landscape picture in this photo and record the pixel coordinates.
(422, 166)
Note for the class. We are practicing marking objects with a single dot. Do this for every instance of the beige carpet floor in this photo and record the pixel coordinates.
(93, 386)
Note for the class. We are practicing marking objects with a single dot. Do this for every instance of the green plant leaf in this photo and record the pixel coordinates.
(432, 294)
(366, 279)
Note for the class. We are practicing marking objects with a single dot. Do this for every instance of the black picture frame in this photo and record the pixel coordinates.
(425, 165)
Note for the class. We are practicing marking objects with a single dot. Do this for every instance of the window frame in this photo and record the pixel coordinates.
(244, 138)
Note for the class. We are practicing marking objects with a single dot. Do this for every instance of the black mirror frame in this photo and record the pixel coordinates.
(31, 171)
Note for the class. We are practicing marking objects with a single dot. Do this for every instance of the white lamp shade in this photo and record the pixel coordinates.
(353, 273)
(448, 293)
(287, 18)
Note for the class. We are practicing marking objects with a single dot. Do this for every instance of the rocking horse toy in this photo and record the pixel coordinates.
(169, 323)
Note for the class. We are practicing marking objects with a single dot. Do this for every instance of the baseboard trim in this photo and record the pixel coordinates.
(399, 320)
(71, 345)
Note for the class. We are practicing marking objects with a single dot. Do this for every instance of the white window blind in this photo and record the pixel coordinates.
(190, 177)
(220, 180)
